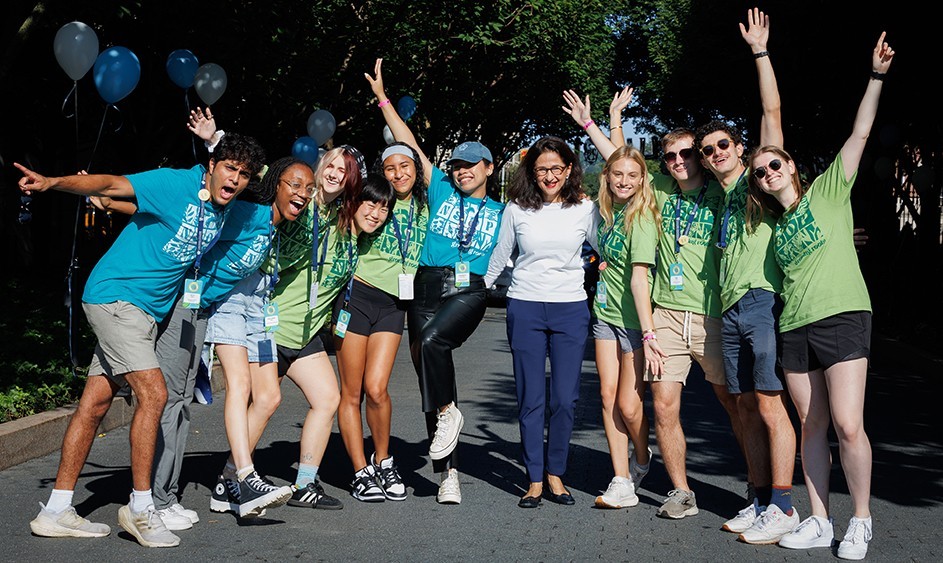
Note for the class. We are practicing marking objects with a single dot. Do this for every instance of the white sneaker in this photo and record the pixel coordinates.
(387, 476)
(855, 544)
(174, 520)
(450, 490)
(448, 426)
(814, 531)
(637, 471)
(619, 494)
(66, 524)
(191, 514)
(147, 527)
(771, 526)
(743, 520)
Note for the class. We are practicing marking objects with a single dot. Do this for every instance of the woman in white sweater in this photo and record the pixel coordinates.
(547, 219)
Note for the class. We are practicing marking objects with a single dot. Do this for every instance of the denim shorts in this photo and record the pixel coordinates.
(238, 319)
(629, 339)
(749, 340)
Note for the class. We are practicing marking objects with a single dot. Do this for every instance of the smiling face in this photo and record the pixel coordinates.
(472, 177)
(400, 172)
(370, 216)
(682, 167)
(624, 179)
(778, 183)
(332, 178)
(551, 173)
(227, 180)
(721, 161)
(295, 189)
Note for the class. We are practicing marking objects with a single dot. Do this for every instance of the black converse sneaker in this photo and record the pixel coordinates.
(365, 487)
(225, 496)
(256, 494)
(312, 495)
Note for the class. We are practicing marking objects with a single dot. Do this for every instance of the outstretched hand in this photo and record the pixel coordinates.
(620, 100)
(654, 357)
(758, 33)
(31, 181)
(376, 82)
(579, 110)
(202, 124)
(883, 55)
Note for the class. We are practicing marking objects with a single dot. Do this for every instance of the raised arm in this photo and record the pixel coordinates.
(580, 111)
(853, 148)
(81, 184)
(398, 127)
(619, 102)
(757, 37)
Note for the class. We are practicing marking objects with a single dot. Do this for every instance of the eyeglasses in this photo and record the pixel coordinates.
(722, 144)
(672, 156)
(25, 214)
(773, 165)
(555, 170)
(298, 189)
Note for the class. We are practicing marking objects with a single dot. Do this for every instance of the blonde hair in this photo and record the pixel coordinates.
(323, 162)
(642, 202)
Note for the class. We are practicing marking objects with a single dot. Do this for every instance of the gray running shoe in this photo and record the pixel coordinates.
(66, 524)
(147, 527)
(678, 505)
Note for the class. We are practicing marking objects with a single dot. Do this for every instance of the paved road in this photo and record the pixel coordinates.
(902, 421)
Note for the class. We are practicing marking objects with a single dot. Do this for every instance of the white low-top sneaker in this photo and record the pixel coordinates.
(814, 531)
(771, 526)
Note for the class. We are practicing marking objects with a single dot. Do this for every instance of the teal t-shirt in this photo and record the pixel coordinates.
(619, 252)
(241, 249)
(442, 245)
(815, 248)
(382, 256)
(147, 263)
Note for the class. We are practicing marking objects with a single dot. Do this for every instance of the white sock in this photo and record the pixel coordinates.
(59, 500)
(140, 500)
(241, 474)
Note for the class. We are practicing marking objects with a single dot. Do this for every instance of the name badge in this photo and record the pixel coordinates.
(270, 312)
(343, 319)
(313, 295)
(601, 296)
(192, 293)
(405, 286)
(462, 274)
(676, 276)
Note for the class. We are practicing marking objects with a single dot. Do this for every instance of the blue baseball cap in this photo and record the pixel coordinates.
(471, 151)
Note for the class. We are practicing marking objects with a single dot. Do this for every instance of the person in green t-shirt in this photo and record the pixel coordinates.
(825, 326)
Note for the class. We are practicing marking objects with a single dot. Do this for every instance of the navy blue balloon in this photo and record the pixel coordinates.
(181, 67)
(116, 72)
(406, 107)
(305, 149)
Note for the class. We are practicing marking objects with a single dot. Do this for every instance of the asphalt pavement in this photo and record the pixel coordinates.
(902, 421)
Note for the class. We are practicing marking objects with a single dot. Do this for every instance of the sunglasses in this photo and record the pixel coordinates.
(685, 154)
(722, 144)
(773, 165)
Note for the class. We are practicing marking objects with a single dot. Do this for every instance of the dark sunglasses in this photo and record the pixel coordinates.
(685, 154)
(722, 144)
(773, 165)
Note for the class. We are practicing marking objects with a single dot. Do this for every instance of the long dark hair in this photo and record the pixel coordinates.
(374, 189)
(524, 190)
(263, 191)
(419, 191)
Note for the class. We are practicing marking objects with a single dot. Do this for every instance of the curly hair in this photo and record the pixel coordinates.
(242, 149)
(264, 190)
(642, 202)
(419, 189)
(713, 126)
(524, 190)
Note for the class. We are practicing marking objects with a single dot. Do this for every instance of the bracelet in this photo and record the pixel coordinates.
(385, 102)
(616, 127)
(649, 336)
(878, 75)
(761, 54)
(588, 123)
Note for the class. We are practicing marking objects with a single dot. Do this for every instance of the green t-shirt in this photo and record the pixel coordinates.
(699, 257)
(381, 258)
(748, 261)
(620, 252)
(815, 248)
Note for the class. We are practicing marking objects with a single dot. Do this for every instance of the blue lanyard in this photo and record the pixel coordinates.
(200, 251)
(607, 234)
(276, 236)
(351, 265)
(404, 243)
(465, 241)
(722, 243)
(315, 262)
(690, 219)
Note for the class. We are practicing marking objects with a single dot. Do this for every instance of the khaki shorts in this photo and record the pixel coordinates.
(126, 339)
(687, 336)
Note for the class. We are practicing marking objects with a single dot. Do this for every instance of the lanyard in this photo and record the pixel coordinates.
(722, 243)
(200, 251)
(316, 263)
(351, 266)
(607, 234)
(404, 241)
(690, 219)
(464, 241)
(276, 237)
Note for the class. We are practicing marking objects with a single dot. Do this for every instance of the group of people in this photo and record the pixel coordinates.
(728, 260)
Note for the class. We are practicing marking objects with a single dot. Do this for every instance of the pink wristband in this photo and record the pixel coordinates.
(588, 123)
(649, 336)
(383, 103)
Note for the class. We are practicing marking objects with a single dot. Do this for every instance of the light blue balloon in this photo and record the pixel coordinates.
(182, 65)
(305, 149)
(116, 72)
(210, 83)
(406, 107)
(321, 126)
(76, 48)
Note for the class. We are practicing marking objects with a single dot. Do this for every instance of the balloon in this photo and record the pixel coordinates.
(321, 126)
(305, 149)
(321, 152)
(182, 66)
(76, 47)
(388, 135)
(210, 83)
(406, 107)
(117, 71)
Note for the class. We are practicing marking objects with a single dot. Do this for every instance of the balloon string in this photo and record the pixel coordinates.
(95, 148)
(74, 89)
(186, 101)
(74, 262)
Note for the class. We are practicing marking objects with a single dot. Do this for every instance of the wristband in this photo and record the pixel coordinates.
(384, 103)
(588, 123)
(878, 75)
(649, 336)
(616, 127)
(761, 54)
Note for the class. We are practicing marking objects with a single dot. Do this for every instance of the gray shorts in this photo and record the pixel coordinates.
(126, 339)
(629, 339)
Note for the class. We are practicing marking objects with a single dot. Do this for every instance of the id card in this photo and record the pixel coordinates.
(676, 276)
(602, 296)
(405, 286)
(270, 312)
(462, 274)
(343, 319)
(313, 295)
(192, 293)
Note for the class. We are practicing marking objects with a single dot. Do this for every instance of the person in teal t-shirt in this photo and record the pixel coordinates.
(825, 326)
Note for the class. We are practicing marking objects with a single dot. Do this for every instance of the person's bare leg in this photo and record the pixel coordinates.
(617, 435)
(754, 438)
(266, 397)
(234, 361)
(351, 361)
(631, 398)
(810, 396)
(381, 353)
(782, 436)
(846, 384)
(77, 443)
(314, 375)
(667, 402)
